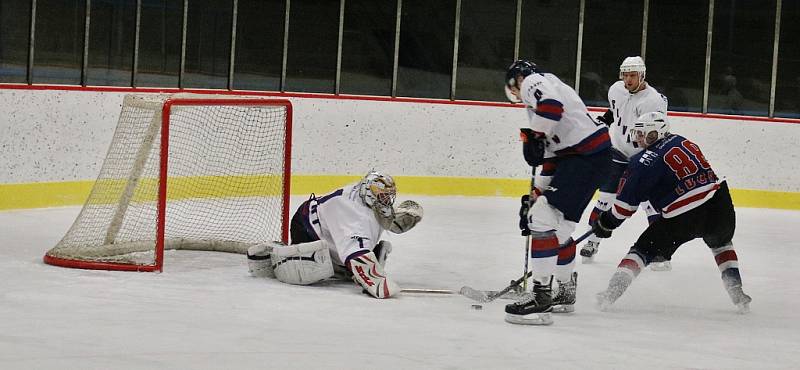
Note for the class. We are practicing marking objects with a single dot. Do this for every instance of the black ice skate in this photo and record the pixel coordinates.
(533, 308)
(564, 299)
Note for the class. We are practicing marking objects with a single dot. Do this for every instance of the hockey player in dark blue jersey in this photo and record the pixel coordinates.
(676, 178)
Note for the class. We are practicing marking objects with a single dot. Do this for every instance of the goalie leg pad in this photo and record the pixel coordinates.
(259, 262)
(368, 273)
(302, 264)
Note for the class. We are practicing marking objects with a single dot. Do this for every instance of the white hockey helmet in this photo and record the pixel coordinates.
(633, 64)
(378, 191)
(649, 128)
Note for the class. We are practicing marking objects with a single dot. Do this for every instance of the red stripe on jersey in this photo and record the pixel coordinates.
(690, 199)
(549, 108)
(567, 252)
(729, 255)
(546, 244)
(589, 146)
(623, 211)
(631, 265)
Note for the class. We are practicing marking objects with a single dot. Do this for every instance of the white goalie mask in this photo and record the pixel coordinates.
(649, 128)
(633, 64)
(378, 191)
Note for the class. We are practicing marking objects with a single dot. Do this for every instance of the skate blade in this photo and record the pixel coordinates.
(587, 260)
(661, 266)
(563, 308)
(602, 303)
(743, 308)
(543, 318)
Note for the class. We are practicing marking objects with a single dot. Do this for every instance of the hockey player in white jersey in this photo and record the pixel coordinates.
(339, 233)
(573, 151)
(628, 98)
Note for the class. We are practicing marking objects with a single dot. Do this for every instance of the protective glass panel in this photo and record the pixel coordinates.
(612, 31)
(368, 47)
(259, 44)
(160, 43)
(485, 48)
(111, 37)
(14, 30)
(313, 43)
(59, 41)
(741, 57)
(208, 44)
(787, 94)
(678, 75)
(549, 36)
(425, 63)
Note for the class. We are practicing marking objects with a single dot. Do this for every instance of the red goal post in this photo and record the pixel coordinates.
(185, 171)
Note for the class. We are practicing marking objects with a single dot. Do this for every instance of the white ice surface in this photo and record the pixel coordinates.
(205, 312)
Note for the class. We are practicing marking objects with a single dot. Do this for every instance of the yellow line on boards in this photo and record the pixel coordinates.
(70, 193)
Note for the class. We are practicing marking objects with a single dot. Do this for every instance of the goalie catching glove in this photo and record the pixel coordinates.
(407, 215)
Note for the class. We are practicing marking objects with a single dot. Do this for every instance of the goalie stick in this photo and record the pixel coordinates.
(484, 296)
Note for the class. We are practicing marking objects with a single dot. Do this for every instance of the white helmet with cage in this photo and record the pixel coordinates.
(649, 128)
(378, 191)
(633, 64)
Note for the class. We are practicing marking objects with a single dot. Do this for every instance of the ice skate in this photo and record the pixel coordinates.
(740, 299)
(534, 308)
(564, 299)
(660, 263)
(616, 286)
(589, 250)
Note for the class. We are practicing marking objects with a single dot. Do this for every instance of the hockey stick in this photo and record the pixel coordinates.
(427, 291)
(528, 238)
(482, 296)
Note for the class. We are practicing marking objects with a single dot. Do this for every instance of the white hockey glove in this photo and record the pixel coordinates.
(258, 260)
(407, 215)
(368, 273)
(302, 264)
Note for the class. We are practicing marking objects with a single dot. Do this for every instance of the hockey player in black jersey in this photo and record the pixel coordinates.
(676, 178)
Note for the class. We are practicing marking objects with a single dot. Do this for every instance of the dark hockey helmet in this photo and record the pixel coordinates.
(522, 68)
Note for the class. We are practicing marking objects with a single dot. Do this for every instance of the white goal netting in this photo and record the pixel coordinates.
(184, 172)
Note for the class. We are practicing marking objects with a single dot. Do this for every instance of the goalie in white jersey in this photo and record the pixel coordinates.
(628, 99)
(339, 233)
(573, 151)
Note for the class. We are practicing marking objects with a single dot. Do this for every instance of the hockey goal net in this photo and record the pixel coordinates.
(184, 171)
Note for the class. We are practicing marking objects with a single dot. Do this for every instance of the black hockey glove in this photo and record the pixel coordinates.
(607, 117)
(532, 146)
(603, 226)
(523, 214)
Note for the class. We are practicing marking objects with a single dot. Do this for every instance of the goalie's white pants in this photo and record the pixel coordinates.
(302, 264)
(544, 218)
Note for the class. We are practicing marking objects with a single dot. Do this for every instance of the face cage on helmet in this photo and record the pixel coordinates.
(384, 193)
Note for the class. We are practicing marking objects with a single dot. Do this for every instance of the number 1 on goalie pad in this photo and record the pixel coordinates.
(302, 264)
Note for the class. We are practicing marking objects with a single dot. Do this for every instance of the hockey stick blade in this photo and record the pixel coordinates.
(483, 296)
(474, 294)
